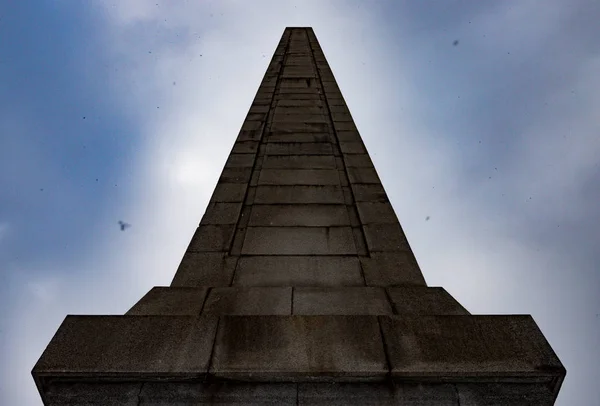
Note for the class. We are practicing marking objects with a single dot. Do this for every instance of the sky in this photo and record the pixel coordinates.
(481, 119)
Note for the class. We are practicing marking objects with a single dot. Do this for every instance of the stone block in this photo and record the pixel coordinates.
(314, 215)
(343, 178)
(240, 160)
(363, 175)
(306, 110)
(500, 394)
(369, 193)
(385, 237)
(92, 394)
(341, 117)
(340, 300)
(255, 125)
(134, 347)
(299, 177)
(298, 127)
(299, 194)
(299, 162)
(424, 300)
(299, 103)
(229, 192)
(259, 108)
(235, 175)
(250, 196)
(299, 148)
(256, 116)
(299, 118)
(376, 212)
(392, 269)
(204, 269)
(297, 96)
(358, 161)
(245, 147)
(299, 241)
(209, 238)
(298, 271)
(469, 348)
(249, 301)
(221, 213)
(352, 147)
(381, 394)
(339, 109)
(170, 301)
(348, 136)
(217, 393)
(297, 348)
(250, 135)
(300, 137)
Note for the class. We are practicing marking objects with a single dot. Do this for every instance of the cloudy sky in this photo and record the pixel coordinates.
(127, 110)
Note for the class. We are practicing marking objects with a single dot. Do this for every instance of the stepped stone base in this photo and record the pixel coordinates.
(384, 359)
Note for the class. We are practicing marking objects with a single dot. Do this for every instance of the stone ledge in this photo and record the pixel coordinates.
(334, 394)
(467, 351)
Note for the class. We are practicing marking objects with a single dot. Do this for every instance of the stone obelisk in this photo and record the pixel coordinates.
(299, 287)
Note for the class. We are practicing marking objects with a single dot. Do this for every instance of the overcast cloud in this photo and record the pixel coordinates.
(481, 118)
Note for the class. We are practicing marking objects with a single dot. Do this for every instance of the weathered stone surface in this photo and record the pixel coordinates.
(299, 162)
(299, 177)
(342, 301)
(348, 136)
(476, 347)
(300, 103)
(240, 160)
(314, 215)
(392, 269)
(245, 147)
(298, 271)
(170, 301)
(294, 346)
(494, 394)
(300, 110)
(299, 118)
(385, 237)
(218, 393)
(358, 161)
(221, 213)
(376, 212)
(249, 301)
(424, 300)
(92, 394)
(298, 194)
(352, 147)
(299, 241)
(208, 238)
(381, 394)
(204, 269)
(138, 346)
(292, 127)
(235, 175)
(299, 148)
(369, 193)
(362, 175)
(229, 192)
(300, 137)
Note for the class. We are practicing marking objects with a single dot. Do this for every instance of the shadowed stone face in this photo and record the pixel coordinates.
(299, 287)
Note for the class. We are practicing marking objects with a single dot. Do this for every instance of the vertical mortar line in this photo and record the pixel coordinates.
(261, 142)
(292, 308)
(212, 350)
(389, 299)
(385, 351)
(343, 158)
(208, 291)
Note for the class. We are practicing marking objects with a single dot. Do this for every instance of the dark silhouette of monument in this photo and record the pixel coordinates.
(299, 287)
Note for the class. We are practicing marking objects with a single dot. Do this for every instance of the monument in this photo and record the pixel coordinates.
(299, 287)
